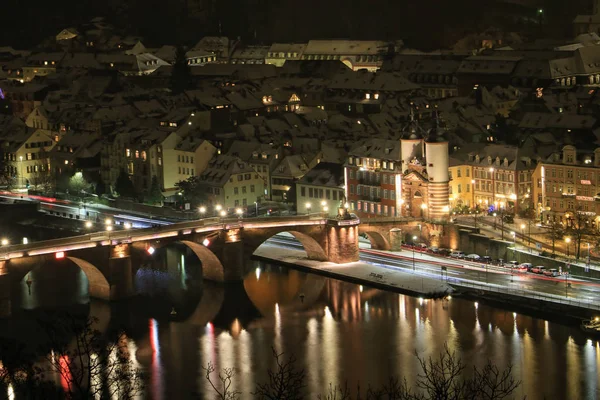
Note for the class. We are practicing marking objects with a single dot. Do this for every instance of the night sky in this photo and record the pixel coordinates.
(424, 24)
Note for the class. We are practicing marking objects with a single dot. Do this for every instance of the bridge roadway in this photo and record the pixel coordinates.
(206, 225)
(581, 289)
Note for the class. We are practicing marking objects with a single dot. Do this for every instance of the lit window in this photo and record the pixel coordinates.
(127, 152)
(376, 96)
(137, 154)
(368, 96)
(144, 155)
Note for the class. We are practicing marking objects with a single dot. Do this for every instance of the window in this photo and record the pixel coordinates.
(385, 193)
(179, 170)
(159, 160)
(235, 190)
(217, 191)
(237, 202)
(252, 189)
(178, 158)
(127, 152)
(248, 177)
(351, 189)
(351, 174)
(328, 194)
(137, 154)
(144, 155)
(310, 192)
(467, 172)
(192, 160)
(240, 178)
(468, 187)
(243, 189)
(334, 194)
(459, 188)
(458, 175)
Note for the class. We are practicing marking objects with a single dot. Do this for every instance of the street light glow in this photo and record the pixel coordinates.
(88, 224)
(107, 221)
(25, 240)
(239, 211)
(4, 242)
(223, 213)
(109, 228)
(202, 210)
(308, 205)
(218, 207)
(127, 225)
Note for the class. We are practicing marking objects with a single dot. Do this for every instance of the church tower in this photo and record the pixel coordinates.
(436, 154)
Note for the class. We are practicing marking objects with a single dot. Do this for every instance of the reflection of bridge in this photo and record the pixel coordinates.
(221, 246)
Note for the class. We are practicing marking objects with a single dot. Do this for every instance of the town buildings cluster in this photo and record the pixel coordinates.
(383, 130)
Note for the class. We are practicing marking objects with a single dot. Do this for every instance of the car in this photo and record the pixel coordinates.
(520, 269)
(486, 259)
(457, 254)
(528, 266)
(538, 269)
(473, 257)
(551, 272)
(511, 264)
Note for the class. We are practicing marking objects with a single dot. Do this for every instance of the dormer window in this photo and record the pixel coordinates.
(350, 160)
(255, 154)
(367, 96)
(489, 159)
(264, 156)
(376, 96)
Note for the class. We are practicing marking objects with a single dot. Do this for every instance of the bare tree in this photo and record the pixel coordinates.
(225, 390)
(285, 383)
(42, 179)
(555, 232)
(441, 378)
(578, 227)
(91, 365)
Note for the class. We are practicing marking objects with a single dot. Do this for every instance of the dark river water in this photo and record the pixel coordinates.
(339, 332)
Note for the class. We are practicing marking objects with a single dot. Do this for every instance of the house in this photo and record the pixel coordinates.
(566, 186)
(321, 189)
(231, 183)
(279, 53)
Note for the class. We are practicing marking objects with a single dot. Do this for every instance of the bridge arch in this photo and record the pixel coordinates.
(212, 268)
(313, 248)
(378, 241)
(98, 285)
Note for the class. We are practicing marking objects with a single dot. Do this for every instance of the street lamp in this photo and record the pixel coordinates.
(88, 224)
(202, 211)
(473, 193)
(239, 212)
(493, 187)
(107, 222)
(495, 220)
(4, 242)
(308, 206)
(223, 213)
(256, 207)
(413, 249)
(218, 208)
(568, 242)
(21, 170)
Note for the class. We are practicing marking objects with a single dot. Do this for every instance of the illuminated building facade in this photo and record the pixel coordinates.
(566, 183)
(405, 178)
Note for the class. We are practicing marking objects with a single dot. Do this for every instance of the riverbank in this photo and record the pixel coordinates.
(412, 284)
(426, 286)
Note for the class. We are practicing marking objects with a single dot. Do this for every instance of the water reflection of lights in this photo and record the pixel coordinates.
(278, 329)
(546, 334)
(476, 305)
(10, 392)
(420, 301)
(157, 378)
(257, 273)
(360, 288)
(591, 355)
(330, 350)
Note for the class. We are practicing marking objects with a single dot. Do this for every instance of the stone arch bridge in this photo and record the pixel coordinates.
(220, 244)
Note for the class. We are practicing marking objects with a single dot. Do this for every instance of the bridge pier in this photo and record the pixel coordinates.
(342, 243)
(120, 273)
(232, 255)
(396, 239)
